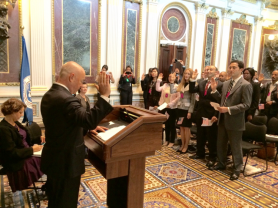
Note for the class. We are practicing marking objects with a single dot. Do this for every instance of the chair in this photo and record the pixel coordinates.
(260, 119)
(254, 132)
(272, 128)
(35, 132)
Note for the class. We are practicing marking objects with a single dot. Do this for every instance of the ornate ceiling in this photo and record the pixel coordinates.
(271, 4)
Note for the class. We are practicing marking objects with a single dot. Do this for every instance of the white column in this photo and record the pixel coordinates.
(38, 47)
(152, 35)
(224, 44)
(199, 36)
(114, 37)
(256, 43)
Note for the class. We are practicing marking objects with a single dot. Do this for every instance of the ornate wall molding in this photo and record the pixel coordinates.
(58, 43)
(14, 47)
(182, 6)
(242, 20)
(212, 13)
(139, 42)
(274, 26)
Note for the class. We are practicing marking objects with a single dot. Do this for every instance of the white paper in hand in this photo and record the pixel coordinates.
(164, 105)
(215, 105)
(206, 122)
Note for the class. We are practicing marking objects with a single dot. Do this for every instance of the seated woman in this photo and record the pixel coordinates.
(16, 149)
(170, 96)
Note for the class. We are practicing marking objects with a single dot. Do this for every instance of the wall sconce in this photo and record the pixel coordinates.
(271, 37)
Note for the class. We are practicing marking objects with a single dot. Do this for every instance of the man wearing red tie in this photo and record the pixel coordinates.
(205, 110)
(235, 100)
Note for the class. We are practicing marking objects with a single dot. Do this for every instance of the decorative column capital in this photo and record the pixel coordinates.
(259, 19)
(152, 1)
(226, 12)
(201, 6)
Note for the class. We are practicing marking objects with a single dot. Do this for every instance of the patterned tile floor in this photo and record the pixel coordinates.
(173, 180)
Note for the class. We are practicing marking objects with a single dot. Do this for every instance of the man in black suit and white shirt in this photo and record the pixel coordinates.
(235, 100)
(64, 119)
(205, 110)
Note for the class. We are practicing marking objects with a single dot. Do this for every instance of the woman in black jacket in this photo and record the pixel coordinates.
(248, 75)
(153, 95)
(16, 149)
(125, 86)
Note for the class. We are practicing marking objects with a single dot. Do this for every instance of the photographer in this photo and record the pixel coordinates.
(125, 86)
(177, 70)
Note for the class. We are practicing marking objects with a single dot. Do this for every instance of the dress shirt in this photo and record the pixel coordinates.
(271, 88)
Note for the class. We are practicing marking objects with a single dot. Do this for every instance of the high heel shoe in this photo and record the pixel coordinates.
(183, 152)
(178, 150)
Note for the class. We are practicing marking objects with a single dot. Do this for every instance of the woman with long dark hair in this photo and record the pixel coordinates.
(153, 94)
(248, 74)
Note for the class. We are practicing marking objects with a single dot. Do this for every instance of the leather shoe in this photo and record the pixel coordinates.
(196, 157)
(210, 163)
(234, 176)
(217, 167)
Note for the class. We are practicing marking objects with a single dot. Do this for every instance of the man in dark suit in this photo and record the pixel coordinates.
(205, 110)
(64, 119)
(269, 96)
(235, 100)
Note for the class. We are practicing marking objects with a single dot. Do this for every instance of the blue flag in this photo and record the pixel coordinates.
(25, 85)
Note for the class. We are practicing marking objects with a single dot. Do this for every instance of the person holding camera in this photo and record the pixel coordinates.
(125, 86)
(177, 72)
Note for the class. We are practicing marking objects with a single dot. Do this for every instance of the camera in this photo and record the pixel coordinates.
(128, 72)
(176, 60)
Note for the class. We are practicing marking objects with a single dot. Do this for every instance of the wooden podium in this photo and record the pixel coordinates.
(121, 159)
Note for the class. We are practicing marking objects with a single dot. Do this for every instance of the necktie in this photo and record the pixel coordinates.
(206, 88)
(228, 92)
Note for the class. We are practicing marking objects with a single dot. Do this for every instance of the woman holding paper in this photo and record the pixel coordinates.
(185, 109)
(16, 149)
(170, 96)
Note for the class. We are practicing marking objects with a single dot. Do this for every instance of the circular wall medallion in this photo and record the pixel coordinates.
(173, 24)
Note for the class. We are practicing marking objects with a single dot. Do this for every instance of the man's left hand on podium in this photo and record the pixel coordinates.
(98, 129)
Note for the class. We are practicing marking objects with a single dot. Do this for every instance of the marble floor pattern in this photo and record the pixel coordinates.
(172, 180)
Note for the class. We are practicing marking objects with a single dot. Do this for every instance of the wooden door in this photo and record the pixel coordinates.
(167, 53)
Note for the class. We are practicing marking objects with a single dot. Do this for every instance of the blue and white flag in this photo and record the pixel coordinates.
(25, 85)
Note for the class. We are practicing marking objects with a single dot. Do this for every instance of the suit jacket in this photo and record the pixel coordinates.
(273, 109)
(238, 102)
(126, 85)
(204, 108)
(64, 119)
(255, 99)
(12, 151)
(144, 86)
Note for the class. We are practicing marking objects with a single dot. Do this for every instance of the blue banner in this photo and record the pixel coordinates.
(25, 85)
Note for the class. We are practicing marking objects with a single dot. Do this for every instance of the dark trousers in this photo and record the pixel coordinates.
(170, 125)
(234, 137)
(146, 103)
(209, 134)
(63, 192)
(126, 97)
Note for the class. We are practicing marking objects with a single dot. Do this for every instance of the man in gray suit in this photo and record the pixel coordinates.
(235, 100)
